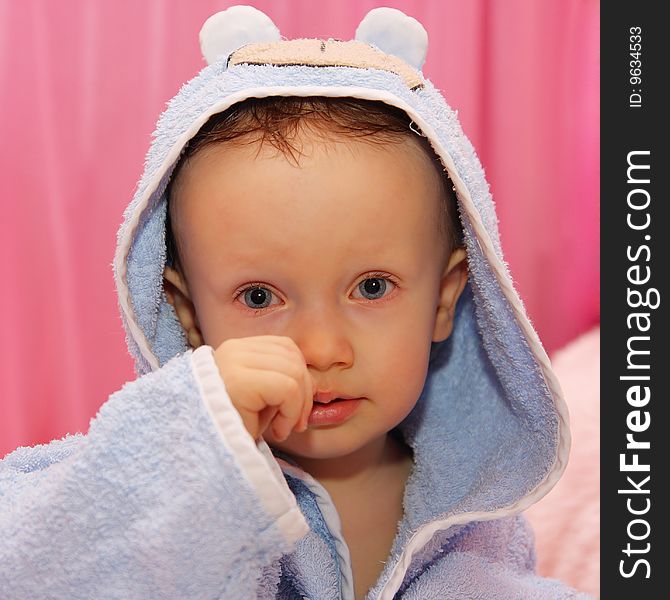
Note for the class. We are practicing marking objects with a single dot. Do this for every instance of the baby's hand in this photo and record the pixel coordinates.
(268, 383)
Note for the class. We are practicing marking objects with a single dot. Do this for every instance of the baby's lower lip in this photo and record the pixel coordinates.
(333, 413)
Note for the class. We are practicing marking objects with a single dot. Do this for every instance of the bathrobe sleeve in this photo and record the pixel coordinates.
(167, 496)
(493, 560)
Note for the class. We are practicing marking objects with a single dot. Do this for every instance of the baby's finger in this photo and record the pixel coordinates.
(278, 363)
(285, 393)
(271, 343)
(310, 390)
(309, 386)
(282, 427)
(265, 418)
(289, 345)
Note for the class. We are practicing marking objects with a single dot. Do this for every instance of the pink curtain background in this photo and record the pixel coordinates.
(83, 82)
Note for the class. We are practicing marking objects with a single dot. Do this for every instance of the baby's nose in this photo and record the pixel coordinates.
(324, 343)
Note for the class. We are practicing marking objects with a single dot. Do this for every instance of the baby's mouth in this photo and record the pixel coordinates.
(328, 397)
(332, 410)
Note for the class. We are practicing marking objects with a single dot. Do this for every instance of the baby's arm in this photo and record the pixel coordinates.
(167, 496)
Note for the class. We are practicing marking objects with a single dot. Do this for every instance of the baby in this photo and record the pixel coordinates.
(339, 394)
(321, 284)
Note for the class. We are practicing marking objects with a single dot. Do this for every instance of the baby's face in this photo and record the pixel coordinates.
(342, 254)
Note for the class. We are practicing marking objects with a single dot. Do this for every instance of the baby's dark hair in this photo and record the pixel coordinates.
(277, 120)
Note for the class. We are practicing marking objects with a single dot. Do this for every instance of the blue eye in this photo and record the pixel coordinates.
(372, 288)
(257, 297)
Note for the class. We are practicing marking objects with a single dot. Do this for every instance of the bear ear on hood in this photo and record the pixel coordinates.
(394, 32)
(230, 29)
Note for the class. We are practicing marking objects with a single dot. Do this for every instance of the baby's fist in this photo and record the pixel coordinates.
(268, 383)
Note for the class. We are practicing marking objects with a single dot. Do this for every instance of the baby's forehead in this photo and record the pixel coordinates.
(315, 177)
(317, 184)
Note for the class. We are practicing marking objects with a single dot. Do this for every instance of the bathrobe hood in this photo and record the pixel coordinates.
(489, 432)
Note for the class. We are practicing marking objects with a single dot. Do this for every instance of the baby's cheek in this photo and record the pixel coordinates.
(405, 366)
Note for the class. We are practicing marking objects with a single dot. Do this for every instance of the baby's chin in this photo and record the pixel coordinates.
(320, 443)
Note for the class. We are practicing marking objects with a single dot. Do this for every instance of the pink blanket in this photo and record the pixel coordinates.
(567, 520)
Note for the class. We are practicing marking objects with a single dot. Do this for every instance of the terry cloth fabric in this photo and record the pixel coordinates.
(168, 496)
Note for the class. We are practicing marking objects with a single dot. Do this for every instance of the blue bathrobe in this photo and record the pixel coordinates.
(167, 495)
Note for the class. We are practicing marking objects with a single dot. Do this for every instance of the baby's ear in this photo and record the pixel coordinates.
(454, 278)
(178, 295)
